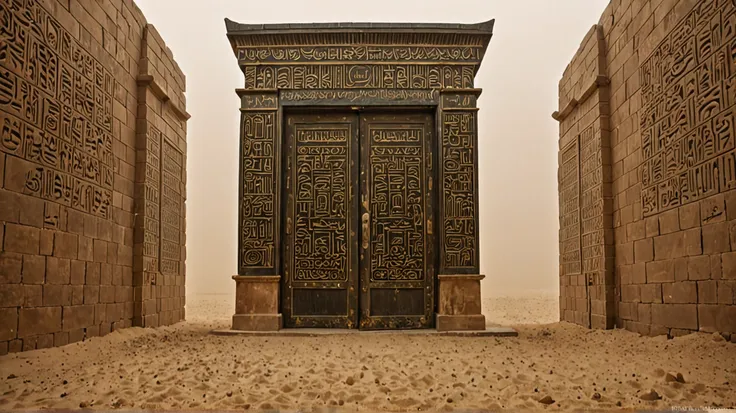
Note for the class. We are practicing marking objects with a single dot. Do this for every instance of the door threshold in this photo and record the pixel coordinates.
(318, 332)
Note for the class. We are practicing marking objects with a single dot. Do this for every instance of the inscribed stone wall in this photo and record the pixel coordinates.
(671, 66)
(69, 73)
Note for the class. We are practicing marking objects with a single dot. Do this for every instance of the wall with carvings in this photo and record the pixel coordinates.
(92, 173)
(652, 89)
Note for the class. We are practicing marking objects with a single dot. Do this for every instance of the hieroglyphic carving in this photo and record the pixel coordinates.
(569, 189)
(373, 76)
(259, 55)
(258, 189)
(259, 101)
(342, 96)
(152, 201)
(687, 115)
(591, 242)
(322, 193)
(172, 168)
(55, 111)
(459, 240)
(397, 212)
(459, 100)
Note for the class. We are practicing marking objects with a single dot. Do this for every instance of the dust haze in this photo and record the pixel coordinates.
(533, 42)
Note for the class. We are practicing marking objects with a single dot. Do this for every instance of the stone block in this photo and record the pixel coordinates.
(669, 222)
(46, 242)
(34, 269)
(681, 269)
(8, 324)
(247, 322)
(58, 270)
(717, 318)
(644, 250)
(77, 294)
(652, 226)
(728, 266)
(78, 272)
(11, 295)
(257, 294)
(56, 295)
(690, 216)
(639, 273)
(61, 338)
(660, 271)
(85, 249)
(45, 341)
(42, 320)
(65, 245)
(11, 264)
(33, 296)
(459, 295)
(684, 292)
(21, 239)
(716, 238)
(630, 293)
(91, 294)
(713, 209)
(698, 268)
(93, 273)
(645, 313)
(708, 292)
(78, 316)
(727, 292)
(683, 316)
(100, 251)
(107, 293)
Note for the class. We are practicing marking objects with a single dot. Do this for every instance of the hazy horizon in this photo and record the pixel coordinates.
(533, 42)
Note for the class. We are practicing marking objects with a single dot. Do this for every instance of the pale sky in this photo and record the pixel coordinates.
(532, 44)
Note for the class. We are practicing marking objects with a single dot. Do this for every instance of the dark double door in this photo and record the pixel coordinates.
(358, 245)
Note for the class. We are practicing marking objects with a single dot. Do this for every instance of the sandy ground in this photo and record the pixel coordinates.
(182, 367)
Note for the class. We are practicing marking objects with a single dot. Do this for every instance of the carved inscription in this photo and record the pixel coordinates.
(259, 101)
(398, 216)
(459, 100)
(591, 202)
(569, 184)
(459, 242)
(55, 111)
(369, 76)
(687, 115)
(152, 201)
(171, 208)
(258, 190)
(258, 55)
(306, 97)
(322, 193)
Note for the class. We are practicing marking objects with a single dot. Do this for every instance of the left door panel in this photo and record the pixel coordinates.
(320, 279)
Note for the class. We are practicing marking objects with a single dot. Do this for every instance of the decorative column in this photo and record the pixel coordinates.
(257, 282)
(459, 264)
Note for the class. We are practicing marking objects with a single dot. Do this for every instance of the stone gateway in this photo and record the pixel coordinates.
(358, 203)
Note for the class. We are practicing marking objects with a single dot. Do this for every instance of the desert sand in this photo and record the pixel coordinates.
(184, 367)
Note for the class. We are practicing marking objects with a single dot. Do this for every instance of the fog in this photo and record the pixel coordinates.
(533, 42)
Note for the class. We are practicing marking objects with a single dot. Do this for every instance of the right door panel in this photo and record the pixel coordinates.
(396, 240)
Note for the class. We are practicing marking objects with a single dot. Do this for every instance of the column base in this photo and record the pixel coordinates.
(257, 322)
(459, 303)
(460, 322)
(257, 303)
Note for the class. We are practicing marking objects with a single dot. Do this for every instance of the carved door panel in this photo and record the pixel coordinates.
(320, 287)
(396, 252)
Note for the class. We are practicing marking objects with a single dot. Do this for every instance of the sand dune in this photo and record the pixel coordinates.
(183, 367)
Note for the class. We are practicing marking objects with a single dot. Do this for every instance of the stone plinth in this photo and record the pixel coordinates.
(459, 303)
(257, 303)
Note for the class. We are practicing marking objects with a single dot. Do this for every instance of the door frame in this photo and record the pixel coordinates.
(358, 154)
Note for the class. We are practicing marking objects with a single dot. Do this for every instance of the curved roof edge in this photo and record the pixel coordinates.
(235, 28)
